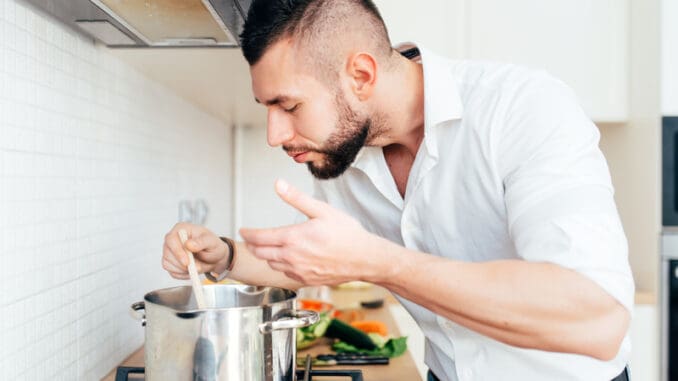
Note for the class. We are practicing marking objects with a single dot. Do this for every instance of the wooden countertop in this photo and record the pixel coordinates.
(400, 368)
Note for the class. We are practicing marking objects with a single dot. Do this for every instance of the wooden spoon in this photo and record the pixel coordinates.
(193, 273)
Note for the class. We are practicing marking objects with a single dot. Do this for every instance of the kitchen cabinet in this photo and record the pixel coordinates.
(669, 54)
(583, 42)
(644, 362)
(436, 24)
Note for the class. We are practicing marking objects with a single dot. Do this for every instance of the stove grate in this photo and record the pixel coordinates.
(123, 373)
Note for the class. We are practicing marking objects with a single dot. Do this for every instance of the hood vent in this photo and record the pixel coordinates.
(153, 23)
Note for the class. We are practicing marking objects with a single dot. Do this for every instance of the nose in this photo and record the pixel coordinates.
(280, 128)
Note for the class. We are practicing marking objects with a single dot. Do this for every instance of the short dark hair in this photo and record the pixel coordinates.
(269, 21)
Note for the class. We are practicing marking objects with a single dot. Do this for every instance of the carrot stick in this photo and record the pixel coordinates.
(370, 326)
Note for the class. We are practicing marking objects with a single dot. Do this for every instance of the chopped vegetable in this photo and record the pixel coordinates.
(308, 336)
(314, 305)
(392, 348)
(344, 332)
(349, 315)
(377, 339)
(371, 326)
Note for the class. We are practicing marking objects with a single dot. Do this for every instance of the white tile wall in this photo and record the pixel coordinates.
(260, 165)
(94, 159)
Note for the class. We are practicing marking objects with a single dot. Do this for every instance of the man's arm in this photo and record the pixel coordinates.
(211, 254)
(526, 304)
(252, 270)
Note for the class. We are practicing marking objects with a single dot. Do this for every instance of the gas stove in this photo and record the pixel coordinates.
(136, 373)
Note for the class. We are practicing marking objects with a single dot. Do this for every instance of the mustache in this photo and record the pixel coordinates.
(298, 149)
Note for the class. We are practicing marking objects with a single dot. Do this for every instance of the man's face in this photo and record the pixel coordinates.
(314, 124)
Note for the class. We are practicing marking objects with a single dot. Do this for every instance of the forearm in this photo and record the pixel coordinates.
(251, 270)
(532, 305)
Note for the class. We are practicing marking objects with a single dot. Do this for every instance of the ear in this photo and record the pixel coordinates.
(362, 71)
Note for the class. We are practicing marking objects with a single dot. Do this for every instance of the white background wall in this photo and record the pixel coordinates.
(260, 165)
(93, 161)
(669, 47)
(633, 149)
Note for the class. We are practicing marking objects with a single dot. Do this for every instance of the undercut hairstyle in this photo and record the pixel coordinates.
(320, 29)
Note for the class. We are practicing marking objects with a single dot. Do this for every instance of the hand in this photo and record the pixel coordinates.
(331, 247)
(208, 250)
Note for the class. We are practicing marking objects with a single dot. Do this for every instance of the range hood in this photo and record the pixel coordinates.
(153, 23)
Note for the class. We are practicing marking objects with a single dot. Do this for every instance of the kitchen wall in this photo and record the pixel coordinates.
(94, 158)
(633, 149)
(261, 165)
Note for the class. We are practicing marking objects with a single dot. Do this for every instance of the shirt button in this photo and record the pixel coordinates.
(467, 373)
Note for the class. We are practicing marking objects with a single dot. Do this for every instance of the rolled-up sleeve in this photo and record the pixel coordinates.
(558, 192)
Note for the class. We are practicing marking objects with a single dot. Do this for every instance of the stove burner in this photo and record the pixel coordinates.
(123, 373)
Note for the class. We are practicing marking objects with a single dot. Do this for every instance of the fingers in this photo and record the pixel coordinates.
(285, 269)
(203, 242)
(266, 237)
(176, 249)
(281, 267)
(301, 201)
(169, 263)
(179, 276)
(268, 253)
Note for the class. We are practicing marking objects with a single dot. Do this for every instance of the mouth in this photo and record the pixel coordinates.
(299, 157)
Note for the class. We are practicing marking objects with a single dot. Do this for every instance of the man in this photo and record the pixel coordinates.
(475, 192)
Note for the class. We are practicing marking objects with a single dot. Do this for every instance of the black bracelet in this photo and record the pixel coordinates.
(229, 264)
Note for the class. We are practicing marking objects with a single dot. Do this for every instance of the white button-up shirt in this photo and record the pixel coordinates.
(509, 168)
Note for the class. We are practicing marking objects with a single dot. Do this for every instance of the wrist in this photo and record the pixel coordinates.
(385, 262)
(225, 265)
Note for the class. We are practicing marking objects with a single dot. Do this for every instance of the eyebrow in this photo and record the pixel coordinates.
(277, 100)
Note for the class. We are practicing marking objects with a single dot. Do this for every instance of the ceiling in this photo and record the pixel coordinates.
(215, 80)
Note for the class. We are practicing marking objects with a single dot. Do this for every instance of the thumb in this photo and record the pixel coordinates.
(198, 244)
(300, 201)
(193, 245)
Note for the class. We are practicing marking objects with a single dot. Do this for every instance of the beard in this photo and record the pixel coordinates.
(340, 151)
(342, 147)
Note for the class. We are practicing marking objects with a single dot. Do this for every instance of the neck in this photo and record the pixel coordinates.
(400, 101)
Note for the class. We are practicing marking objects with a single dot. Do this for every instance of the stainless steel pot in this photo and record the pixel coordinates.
(248, 333)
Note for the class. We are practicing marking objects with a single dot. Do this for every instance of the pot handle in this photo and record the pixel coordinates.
(136, 315)
(290, 320)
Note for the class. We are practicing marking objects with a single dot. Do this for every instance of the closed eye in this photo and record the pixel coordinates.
(292, 109)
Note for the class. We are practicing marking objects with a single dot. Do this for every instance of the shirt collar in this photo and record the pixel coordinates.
(442, 101)
(441, 95)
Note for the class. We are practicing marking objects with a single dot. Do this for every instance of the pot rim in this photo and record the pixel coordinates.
(188, 313)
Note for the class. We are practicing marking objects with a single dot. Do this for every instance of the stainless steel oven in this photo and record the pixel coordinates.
(672, 319)
(670, 171)
(669, 250)
(669, 303)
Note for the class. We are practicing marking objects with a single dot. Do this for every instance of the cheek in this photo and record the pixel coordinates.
(317, 124)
